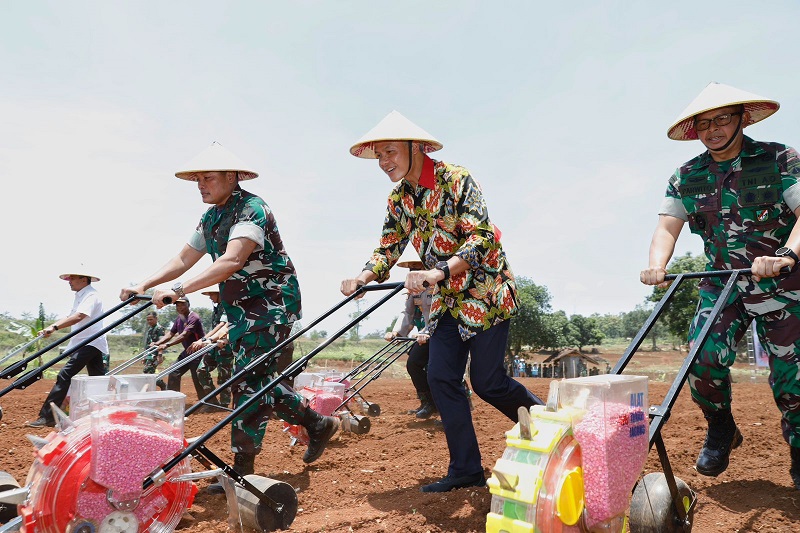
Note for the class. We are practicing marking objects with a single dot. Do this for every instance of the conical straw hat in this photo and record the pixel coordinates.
(80, 271)
(395, 127)
(410, 259)
(717, 95)
(216, 158)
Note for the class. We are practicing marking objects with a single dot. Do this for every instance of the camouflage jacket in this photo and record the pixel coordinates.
(265, 291)
(152, 334)
(441, 217)
(742, 212)
(217, 313)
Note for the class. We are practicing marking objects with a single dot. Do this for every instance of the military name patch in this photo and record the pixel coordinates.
(695, 190)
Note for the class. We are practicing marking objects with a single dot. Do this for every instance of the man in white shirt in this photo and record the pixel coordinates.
(85, 308)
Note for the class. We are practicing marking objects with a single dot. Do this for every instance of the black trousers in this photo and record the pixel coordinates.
(87, 356)
(174, 378)
(416, 367)
(446, 366)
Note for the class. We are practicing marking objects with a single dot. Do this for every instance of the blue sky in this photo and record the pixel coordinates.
(559, 110)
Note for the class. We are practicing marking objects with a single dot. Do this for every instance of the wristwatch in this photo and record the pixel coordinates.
(787, 252)
(444, 267)
(178, 289)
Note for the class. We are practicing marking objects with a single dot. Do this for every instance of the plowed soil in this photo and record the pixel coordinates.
(371, 482)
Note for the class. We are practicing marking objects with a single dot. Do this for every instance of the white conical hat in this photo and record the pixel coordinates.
(216, 158)
(717, 95)
(79, 271)
(395, 127)
(410, 258)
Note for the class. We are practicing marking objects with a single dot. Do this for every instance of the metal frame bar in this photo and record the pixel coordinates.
(158, 476)
(400, 345)
(36, 374)
(19, 366)
(132, 361)
(659, 414)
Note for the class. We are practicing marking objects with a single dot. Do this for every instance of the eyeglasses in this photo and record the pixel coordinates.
(719, 120)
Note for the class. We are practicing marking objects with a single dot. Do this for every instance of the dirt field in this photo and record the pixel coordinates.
(371, 482)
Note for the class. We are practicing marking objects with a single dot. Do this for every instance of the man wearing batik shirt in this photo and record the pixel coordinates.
(438, 209)
(258, 289)
(742, 198)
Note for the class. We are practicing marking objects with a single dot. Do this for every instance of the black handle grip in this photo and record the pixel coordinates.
(718, 273)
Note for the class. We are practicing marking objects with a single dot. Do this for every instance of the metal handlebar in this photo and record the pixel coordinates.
(37, 373)
(290, 371)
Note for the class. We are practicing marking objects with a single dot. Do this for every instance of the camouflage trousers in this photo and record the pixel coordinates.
(150, 365)
(222, 362)
(779, 332)
(247, 431)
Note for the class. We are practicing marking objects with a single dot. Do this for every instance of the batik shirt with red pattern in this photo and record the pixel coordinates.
(444, 216)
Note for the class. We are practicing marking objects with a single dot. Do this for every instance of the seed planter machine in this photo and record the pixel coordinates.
(575, 464)
(123, 465)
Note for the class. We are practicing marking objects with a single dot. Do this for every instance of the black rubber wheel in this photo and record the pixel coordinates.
(652, 509)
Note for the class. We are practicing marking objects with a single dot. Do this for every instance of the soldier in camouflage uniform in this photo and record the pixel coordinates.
(258, 290)
(742, 197)
(152, 333)
(220, 359)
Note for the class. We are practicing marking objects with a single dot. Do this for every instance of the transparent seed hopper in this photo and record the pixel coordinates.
(88, 476)
(570, 466)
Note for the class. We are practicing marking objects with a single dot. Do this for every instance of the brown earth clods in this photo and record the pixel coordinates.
(371, 482)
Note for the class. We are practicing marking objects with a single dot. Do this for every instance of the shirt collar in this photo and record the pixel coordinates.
(232, 199)
(750, 148)
(426, 177)
(83, 291)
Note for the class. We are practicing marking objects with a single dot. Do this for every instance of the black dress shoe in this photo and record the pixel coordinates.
(426, 411)
(448, 483)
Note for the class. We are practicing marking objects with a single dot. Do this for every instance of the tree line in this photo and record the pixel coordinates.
(537, 327)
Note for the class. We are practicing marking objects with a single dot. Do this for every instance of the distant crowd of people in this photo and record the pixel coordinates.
(519, 368)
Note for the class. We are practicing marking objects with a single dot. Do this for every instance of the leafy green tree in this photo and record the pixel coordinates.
(634, 320)
(556, 328)
(528, 327)
(610, 325)
(353, 333)
(680, 311)
(584, 331)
